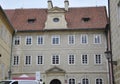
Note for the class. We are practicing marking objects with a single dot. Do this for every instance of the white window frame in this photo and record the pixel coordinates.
(72, 81)
(84, 36)
(96, 61)
(26, 40)
(71, 39)
(85, 78)
(17, 38)
(83, 61)
(16, 60)
(26, 62)
(96, 37)
(40, 37)
(72, 59)
(40, 60)
(55, 59)
(55, 37)
(99, 82)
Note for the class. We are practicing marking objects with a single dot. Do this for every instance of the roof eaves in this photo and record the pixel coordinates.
(7, 18)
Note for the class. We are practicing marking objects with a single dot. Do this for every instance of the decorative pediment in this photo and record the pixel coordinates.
(55, 70)
(56, 9)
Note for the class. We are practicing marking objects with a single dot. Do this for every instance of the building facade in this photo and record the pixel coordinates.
(6, 31)
(66, 45)
(115, 36)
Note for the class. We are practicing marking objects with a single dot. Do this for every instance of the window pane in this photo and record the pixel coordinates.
(98, 59)
(55, 59)
(28, 60)
(97, 39)
(71, 59)
(71, 81)
(56, 39)
(85, 81)
(98, 81)
(84, 39)
(15, 60)
(84, 59)
(71, 39)
(40, 60)
(17, 40)
(40, 40)
(28, 40)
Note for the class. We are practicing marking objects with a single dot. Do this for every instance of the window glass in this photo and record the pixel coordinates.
(28, 40)
(71, 39)
(39, 59)
(98, 59)
(40, 40)
(17, 40)
(28, 60)
(55, 59)
(15, 60)
(97, 39)
(84, 59)
(99, 81)
(85, 81)
(56, 39)
(71, 81)
(84, 39)
(71, 59)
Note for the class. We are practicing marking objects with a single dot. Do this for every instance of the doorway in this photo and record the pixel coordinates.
(55, 81)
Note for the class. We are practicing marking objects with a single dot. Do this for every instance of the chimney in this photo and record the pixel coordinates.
(50, 5)
(66, 4)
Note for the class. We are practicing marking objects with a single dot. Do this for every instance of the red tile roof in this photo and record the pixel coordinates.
(96, 16)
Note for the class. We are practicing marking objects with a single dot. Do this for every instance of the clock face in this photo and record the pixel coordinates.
(56, 19)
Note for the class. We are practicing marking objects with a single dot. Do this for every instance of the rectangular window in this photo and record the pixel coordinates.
(15, 60)
(28, 40)
(97, 39)
(55, 39)
(17, 40)
(71, 39)
(28, 60)
(40, 40)
(55, 59)
(71, 59)
(84, 39)
(84, 59)
(98, 59)
(39, 59)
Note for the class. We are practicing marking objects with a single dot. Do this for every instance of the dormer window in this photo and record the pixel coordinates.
(85, 19)
(56, 19)
(32, 20)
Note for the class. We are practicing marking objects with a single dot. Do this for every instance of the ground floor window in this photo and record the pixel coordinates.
(72, 81)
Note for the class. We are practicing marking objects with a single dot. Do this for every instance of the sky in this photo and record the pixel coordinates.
(15, 4)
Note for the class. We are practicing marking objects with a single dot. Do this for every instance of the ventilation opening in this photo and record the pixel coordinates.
(31, 20)
(86, 19)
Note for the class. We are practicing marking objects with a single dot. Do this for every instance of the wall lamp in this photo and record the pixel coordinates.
(108, 55)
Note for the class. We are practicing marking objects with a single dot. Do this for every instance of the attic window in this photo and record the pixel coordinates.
(31, 20)
(56, 19)
(85, 19)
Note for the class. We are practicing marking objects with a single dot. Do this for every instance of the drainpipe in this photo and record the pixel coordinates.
(10, 68)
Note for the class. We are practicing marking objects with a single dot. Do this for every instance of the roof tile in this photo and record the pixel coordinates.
(19, 18)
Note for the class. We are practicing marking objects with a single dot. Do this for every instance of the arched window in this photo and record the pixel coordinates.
(99, 81)
(72, 81)
(85, 81)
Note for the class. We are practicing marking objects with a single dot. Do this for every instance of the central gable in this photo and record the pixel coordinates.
(56, 19)
(55, 10)
(55, 70)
